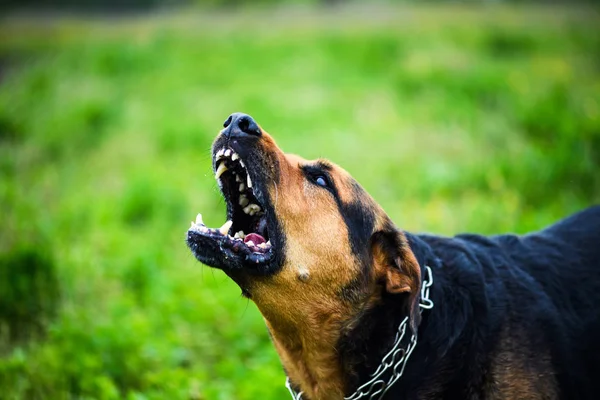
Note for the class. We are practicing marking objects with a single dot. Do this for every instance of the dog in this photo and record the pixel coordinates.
(357, 308)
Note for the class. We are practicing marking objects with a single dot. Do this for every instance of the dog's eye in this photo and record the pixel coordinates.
(321, 181)
(316, 175)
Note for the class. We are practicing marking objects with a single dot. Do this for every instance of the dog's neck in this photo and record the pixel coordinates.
(307, 349)
(443, 334)
(329, 357)
(362, 348)
(333, 357)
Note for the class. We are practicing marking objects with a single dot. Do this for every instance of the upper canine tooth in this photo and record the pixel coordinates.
(227, 153)
(249, 181)
(222, 168)
(199, 219)
(234, 156)
(225, 228)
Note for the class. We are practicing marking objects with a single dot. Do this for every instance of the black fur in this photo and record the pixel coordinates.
(542, 289)
(360, 222)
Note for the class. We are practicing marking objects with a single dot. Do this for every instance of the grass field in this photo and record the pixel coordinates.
(482, 119)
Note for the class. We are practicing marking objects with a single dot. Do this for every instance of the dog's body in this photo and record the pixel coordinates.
(514, 317)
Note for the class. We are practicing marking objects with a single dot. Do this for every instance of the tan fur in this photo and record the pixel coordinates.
(305, 317)
(518, 373)
(301, 303)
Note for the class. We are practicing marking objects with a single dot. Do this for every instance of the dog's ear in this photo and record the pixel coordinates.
(397, 268)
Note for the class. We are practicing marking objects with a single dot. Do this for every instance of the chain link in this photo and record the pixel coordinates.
(396, 358)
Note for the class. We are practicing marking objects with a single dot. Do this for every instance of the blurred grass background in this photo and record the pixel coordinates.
(455, 117)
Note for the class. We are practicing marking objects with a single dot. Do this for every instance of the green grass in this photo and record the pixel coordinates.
(454, 119)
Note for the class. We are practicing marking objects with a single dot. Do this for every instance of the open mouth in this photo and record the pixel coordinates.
(244, 239)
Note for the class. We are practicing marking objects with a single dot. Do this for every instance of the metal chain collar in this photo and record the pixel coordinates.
(395, 359)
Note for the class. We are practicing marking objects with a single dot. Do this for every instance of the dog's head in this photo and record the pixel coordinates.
(301, 237)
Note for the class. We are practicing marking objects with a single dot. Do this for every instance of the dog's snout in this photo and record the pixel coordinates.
(239, 124)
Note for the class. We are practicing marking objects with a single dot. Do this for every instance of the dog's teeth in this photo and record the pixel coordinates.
(250, 243)
(199, 219)
(219, 154)
(242, 164)
(252, 209)
(192, 224)
(239, 235)
(243, 200)
(237, 178)
(262, 245)
(227, 153)
(222, 168)
(248, 209)
(242, 187)
(225, 228)
(234, 156)
(249, 181)
(269, 243)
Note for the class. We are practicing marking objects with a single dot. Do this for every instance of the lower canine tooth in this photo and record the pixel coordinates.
(225, 228)
(199, 219)
(222, 168)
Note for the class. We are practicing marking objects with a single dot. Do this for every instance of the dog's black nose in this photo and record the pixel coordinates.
(239, 124)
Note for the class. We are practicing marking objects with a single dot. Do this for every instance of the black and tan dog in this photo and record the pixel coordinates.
(514, 317)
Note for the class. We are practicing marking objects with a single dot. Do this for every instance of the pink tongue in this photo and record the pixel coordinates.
(255, 237)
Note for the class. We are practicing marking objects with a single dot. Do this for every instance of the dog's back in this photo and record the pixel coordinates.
(564, 260)
(535, 308)
(552, 282)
